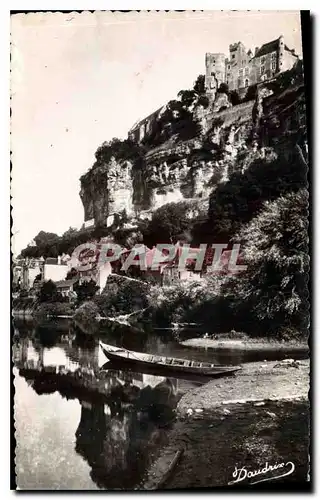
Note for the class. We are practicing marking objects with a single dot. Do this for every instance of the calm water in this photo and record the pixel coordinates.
(80, 428)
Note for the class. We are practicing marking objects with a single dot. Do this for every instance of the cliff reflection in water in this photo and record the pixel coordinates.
(124, 415)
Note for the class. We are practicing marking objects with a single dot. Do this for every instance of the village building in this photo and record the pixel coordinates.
(65, 287)
(26, 271)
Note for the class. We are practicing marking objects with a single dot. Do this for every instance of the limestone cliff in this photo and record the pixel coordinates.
(107, 189)
(227, 138)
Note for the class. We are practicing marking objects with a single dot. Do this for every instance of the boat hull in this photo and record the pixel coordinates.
(139, 361)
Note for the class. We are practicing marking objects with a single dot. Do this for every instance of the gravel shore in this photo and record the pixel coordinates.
(259, 416)
(272, 380)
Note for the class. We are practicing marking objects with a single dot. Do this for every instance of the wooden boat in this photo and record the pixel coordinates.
(164, 364)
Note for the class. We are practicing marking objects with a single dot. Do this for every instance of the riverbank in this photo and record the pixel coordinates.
(247, 344)
(272, 380)
(259, 416)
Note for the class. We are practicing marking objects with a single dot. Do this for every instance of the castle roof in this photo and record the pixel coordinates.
(266, 48)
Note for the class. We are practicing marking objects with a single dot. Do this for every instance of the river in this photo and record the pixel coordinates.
(78, 428)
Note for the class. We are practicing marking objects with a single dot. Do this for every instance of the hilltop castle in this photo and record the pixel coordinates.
(239, 71)
(242, 69)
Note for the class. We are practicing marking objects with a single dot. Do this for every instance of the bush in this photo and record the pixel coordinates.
(250, 94)
(224, 88)
(122, 295)
(52, 310)
(234, 98)
(85, 291)
(49, 293)
(184, 302)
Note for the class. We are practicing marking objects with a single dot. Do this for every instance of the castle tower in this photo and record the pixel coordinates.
(238, 67)
(215, 72)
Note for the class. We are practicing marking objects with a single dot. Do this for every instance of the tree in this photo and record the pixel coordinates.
(187, 98)
(251, 93)
(203, 100)
(43, 238)
(275, 249)
(85, 290)
(234, 98)
(168, 223)
(224, 88)
(199, 85)
(48, 292)
(70, 233)
(73, 273)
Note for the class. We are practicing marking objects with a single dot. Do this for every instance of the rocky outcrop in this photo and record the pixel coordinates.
(228, 138)
(221, 102)
(107, 189)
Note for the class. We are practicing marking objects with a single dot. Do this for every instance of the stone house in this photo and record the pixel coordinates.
(143, 127)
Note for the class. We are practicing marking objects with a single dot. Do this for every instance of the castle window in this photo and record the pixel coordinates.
(262, 70)
(246, 82)
(273, 55)
(262, 60)
(233, 56)
(229, 66)
(214, 61)
(246, 71)
(241, 72)
(273, 65)
(212, 73)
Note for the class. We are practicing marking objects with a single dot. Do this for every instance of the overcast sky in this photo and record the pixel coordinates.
(80, 79)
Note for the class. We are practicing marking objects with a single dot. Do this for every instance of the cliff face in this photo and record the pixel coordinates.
(228, 138)
(107, 189)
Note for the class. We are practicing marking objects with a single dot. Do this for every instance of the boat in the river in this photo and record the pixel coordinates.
(164, 364)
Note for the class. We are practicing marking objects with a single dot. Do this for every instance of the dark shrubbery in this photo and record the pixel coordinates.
(48, 293)
(85, 291)
(122, 296)
(274, 288)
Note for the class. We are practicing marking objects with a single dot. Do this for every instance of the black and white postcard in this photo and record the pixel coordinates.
(160, 250)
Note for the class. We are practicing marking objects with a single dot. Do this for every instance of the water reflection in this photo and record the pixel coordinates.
(123, 415)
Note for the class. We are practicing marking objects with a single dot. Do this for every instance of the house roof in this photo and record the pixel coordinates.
(65, 283)
(272, 46)
(53, 261)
